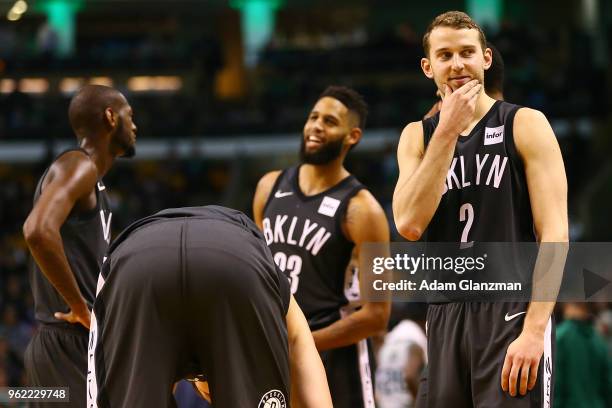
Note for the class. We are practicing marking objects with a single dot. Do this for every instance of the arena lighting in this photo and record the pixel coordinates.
(154, 83)
(71, 85)
(101, 80)
(7, 86)
(257, 25)
(33, 85)
(20, 7)
(12, 16)
(487, 13)
(61, 17)
(17, 10)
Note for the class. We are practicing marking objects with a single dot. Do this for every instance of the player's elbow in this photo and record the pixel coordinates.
(30, 232)
(409, 229)
(407, 225)
(35, 235)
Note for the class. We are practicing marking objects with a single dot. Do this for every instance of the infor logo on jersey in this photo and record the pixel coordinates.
(494, 135)
(272, 399)
(329, 206)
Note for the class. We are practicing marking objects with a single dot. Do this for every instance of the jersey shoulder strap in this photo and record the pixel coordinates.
(505, 116)
(352, 187)
(284, 175)
(429, 126)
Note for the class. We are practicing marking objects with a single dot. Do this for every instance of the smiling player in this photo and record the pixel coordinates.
(313, 215)
(481, 170)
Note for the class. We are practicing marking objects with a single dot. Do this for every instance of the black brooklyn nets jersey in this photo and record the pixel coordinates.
(485, 196)
(305, 236)
(86, 237)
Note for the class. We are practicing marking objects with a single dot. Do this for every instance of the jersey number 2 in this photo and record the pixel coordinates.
(292, 266)
(466, 214)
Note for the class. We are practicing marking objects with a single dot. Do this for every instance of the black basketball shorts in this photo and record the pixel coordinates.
(189, 298)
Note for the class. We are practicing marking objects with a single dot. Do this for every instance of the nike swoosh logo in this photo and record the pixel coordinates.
(510, 317)
(280, 194)
(101, 187)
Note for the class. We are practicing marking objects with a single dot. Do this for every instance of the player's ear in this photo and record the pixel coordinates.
(426, 67)
(110, 119)
(354, 136)
(488, 58)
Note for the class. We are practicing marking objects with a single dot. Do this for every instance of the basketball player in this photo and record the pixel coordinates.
(194, 293)
(481, 354)
(493, 80)
(401, 360)
(312, 216)
(68, 232)
(494, 87)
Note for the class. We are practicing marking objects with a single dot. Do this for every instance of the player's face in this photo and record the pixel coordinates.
(455, 57)
(124, 136)
(325, 131)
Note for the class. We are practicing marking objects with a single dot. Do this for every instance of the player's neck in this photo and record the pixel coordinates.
(102, 161)
(483, 105)
(314, 179)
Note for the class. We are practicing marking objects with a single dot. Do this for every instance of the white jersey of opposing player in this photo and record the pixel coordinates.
(391, 390)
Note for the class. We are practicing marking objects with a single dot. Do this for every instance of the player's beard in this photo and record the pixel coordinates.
(444, 82)
(122, 139)
(325, 154)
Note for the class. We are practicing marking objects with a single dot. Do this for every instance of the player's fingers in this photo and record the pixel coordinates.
(474, 92)
(468, 86)
(524, 378)
(533, 375)
(68, 317)
(514, 372)
(447, 91)
(505, 375)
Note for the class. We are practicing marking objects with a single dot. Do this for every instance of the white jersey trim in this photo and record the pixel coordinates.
(92, 382)
(365, 370)
(547, 363)
(365, 373)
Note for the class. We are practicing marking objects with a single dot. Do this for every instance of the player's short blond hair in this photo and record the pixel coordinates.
(453, 19)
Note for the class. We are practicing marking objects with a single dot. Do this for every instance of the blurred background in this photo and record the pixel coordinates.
(221, 89)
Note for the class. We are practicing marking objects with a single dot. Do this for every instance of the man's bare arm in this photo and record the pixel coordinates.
(365, 222)
(70, 181)
(413, 368)
(420, 184)
(547, 184)
(262, 192)
(309, 386)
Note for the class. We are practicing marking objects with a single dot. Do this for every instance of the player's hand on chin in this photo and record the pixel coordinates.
(520, 370)
(79, 315)
(457, 107)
